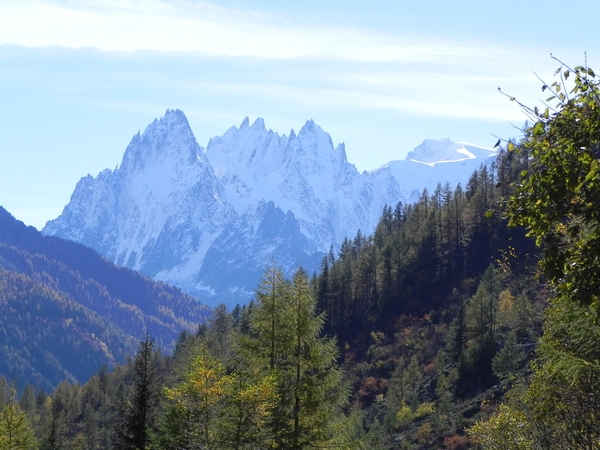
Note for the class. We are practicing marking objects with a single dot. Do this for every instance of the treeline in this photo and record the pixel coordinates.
(420, 254)
(269, 380)
(85, 275)
(266, 377)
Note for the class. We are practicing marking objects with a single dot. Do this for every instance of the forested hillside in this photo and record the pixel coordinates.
(66, 311)
(47, 337)
(420, 254)
(435, 311)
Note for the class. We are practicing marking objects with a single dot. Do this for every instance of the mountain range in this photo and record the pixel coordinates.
(210, 220)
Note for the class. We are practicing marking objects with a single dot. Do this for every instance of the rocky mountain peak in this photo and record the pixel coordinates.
(168, 139)
(209, 221)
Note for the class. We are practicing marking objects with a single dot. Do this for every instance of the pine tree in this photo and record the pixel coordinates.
(138, 414)
(482, 308)
(104, 412)
(396, 394)
(250, 403)
(509, 358)
(271, 319)
(414, 377)
(27, 401)
(481, 319)
(220, 326)
(5, 391)
(213, 406)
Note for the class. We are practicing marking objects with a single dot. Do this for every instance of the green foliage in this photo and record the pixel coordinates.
(194, 405)
(49, 337)
(406, 414)
(480, 331)
(482, 308)
(553, 411)
(556, 200)
(271, 322)
(27, 401)
(276, 386)
(16, 432)
(414, 377)
(557, 197)
(419, 255)
(509, 358)
(507, 430)
(285, 341)
(250, 404)
(209, 408)
(220, 327)
(54, 425)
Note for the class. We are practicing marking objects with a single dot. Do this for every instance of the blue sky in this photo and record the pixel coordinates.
(79, 78)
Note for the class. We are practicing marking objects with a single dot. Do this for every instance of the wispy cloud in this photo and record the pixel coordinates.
(416, 74)
(182, 25)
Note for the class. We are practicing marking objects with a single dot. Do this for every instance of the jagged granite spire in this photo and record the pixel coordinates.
(210, 221)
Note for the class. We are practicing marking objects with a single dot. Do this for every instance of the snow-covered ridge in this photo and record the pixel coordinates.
(432, 152)
(211, 220)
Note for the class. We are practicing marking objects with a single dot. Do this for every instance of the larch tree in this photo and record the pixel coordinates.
(15, 429)
(194, 407)
(285, 341)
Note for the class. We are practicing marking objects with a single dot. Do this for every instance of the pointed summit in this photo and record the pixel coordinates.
(314, 132)
(259, 123)
(168, 138)
(308, 126)
(245, 123)
(164, 192)
(341, 150)
(175, 115)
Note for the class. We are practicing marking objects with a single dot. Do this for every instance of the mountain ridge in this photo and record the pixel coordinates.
(67, 310)
(176, 211)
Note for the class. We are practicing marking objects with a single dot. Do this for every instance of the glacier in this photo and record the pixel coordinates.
(210, 220)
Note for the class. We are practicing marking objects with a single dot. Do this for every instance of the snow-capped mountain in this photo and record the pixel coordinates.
(437, 161)
(210, 220)
(303, 174)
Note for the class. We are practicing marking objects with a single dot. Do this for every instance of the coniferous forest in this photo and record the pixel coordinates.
(466, 320)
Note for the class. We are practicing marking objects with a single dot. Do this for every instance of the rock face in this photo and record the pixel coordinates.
(210, 221)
